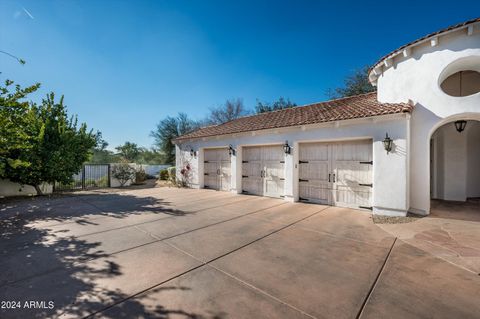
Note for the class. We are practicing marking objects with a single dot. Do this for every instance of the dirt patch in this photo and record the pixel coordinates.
(378, 219)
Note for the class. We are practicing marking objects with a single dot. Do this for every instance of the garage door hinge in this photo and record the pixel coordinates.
(303, 180)
(302, 162)
(282, 179)
(205, 161)
(244, 176)
(366, 207)
(369, 185)
(282, 162)
(205, 174)
(303, 199)
(370, 163)
(244, 161)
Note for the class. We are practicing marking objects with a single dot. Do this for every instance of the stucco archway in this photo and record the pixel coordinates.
(453, 158)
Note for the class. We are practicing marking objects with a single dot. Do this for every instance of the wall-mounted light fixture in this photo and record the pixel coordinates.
(387, 143)
(193, 153)
(286, 148)
(460, 125)
(231, 150)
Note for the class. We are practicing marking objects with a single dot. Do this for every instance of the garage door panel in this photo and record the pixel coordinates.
(217, 169)
(272, 154)
(274, 187)
(252, 153)
(349, 182)
(314, 152)
(274, 170)
(210, 167)
(225, 175)
(252, 169)
(263, 170)
(315, 191)
(252, 185)
(353, 151)
(314, 170)
(353, 173)
(355, 198)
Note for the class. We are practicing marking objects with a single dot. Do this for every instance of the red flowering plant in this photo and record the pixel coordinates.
(185, 173)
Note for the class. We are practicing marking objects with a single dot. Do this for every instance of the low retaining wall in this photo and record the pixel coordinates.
(8, 188)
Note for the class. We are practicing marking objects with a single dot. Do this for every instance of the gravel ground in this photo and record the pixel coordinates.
(377, 219)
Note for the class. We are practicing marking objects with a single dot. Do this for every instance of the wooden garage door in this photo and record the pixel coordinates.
(337, 174)
(263, 169)
(217, 169)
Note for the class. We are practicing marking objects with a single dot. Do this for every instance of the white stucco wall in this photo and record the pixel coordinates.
(8, 188)
(473, 160)
(390, 171)
(417, 78)
(451, 176)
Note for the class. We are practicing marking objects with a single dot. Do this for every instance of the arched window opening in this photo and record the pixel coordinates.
(462, 83)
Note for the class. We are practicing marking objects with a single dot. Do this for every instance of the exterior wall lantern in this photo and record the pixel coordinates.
(460, 125)
(387, 143)
(231, 150)
(286, 148)
(193, 153)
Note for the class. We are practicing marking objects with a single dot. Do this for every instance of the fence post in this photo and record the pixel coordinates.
(83, 177)
(109, 177)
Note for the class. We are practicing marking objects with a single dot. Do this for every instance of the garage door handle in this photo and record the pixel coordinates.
(329, 178)
(369, 185)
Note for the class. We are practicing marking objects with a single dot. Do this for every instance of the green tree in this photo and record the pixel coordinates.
(53, 146)
(232, 109)
(354, 84)
(280, 104)
(150, 156)
(101, 155)
(167, 130)
(128, 151)
(14, 125)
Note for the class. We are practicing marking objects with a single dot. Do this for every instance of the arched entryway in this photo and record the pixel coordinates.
(455, 168)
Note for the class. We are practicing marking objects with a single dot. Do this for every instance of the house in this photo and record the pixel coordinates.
(391, 151)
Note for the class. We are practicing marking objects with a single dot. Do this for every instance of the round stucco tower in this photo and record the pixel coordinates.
(440, 75)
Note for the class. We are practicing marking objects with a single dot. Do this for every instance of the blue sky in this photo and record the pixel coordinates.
(125, 65)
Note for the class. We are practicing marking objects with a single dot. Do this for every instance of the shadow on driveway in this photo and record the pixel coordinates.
(62, 261)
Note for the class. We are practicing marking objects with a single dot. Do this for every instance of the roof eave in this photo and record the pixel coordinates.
(387, 61)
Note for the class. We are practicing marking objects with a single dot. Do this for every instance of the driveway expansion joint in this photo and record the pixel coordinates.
(372, 288)
(155, 238)
(207, 263)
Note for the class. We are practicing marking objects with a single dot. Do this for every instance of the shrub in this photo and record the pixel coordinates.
(164, 175)
(171, 174)
(102, 182)
(123, 172)
(140, 175)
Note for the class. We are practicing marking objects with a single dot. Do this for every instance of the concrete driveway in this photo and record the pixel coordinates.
(181, 253)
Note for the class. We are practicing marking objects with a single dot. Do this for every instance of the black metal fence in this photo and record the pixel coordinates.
(90, 176)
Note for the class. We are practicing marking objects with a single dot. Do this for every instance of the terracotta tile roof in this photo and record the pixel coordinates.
(359, 106)
(450, 28)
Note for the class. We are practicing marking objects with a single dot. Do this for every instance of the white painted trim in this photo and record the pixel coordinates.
(336, 140)
(431, 39)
